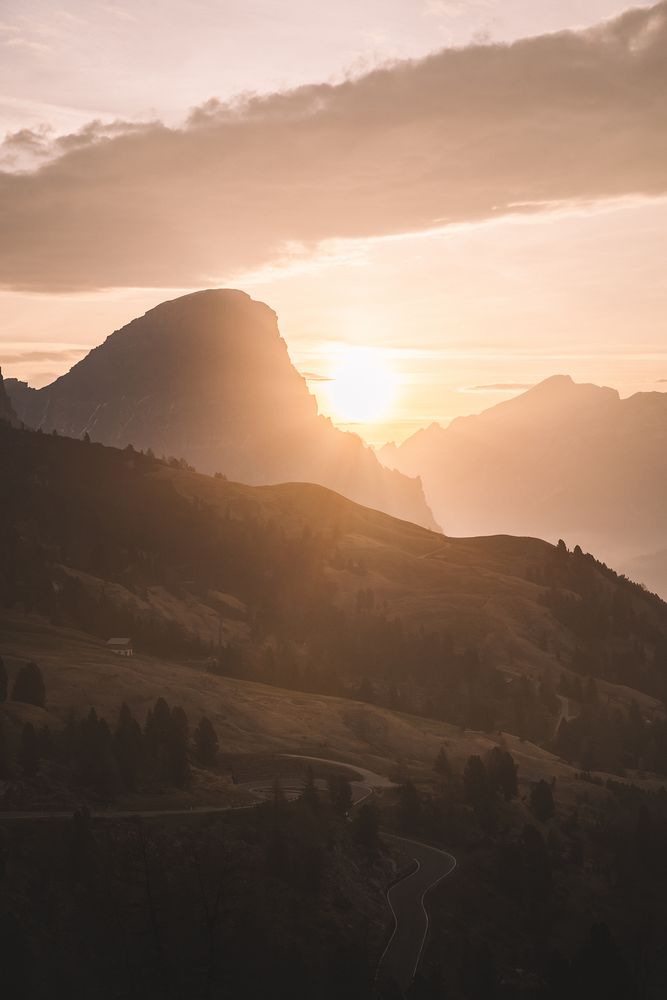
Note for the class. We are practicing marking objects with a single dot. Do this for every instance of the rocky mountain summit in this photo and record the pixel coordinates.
(207, 377)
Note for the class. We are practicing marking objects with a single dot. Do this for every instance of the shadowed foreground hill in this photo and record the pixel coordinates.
(295, 586)
(207, 377)
(562, 460)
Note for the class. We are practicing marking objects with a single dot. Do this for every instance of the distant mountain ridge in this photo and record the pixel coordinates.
(207, 377)
(561, 460)
(6, 409)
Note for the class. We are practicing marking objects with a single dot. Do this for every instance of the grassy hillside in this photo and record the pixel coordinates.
(249, 717)
(295, 586)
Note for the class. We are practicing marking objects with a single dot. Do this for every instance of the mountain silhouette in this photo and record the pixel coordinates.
(207, 377)
(6, 409)
(561, 460)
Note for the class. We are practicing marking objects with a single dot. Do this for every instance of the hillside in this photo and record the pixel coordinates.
(207, 378)
(295, 586)
(249, 717)
(562, 460)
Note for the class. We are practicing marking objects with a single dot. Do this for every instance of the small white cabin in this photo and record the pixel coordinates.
(121, 647)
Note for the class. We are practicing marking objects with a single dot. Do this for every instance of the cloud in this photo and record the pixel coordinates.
(464, 135)
(31, 356)
(31, 144)
(500, 387)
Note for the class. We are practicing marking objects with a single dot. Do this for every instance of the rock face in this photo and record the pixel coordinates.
(207, 377)
(6, 409)
(561, 460)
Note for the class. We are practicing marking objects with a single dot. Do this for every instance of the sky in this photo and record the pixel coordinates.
(444, 201)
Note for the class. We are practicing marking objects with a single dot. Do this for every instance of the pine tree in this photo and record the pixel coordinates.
(340, 793)
(442, 765)
(206, 742)
(310, 795)
(176, 746)
(542, 801)
(29, 686)
(95, 763)
(128, 748)
(179, 720)
(502, 773)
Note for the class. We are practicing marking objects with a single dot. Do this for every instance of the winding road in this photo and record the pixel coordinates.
(406, 899)
(400, 959)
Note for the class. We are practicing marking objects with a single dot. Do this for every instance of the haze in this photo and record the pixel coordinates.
(360, 205)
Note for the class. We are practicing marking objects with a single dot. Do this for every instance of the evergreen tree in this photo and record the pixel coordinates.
(206, 742)
(95, 763)
(310, 795)
(542, 801)
(340, 793)
(176, 747)
(161, 718)
(442, 765)
(29, 751)
(127, 748)
(29, 686)
(180, 721)
(502, 773)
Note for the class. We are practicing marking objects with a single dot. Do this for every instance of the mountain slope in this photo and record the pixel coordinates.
(6, 409)
(561, 460)
(207, 377)
(296, 586)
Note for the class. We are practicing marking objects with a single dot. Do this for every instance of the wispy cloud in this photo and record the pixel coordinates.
(19, 42)
(29, 356)
(499, 387)
(455, 138)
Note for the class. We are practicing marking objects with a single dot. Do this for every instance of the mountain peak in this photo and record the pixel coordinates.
(7, 413)
(207, 377)
(564, 385)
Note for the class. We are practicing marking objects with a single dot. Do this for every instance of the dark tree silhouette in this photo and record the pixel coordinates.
(310, 795)
(340, 793)
(442, 764)
(542, 801)
(599, 970)
(206, 742)
(502, 773)
(127, 748)
(176, 745)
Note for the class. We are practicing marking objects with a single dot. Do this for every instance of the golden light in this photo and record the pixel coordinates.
(363, 386)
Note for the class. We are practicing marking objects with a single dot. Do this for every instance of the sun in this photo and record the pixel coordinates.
(362, 387)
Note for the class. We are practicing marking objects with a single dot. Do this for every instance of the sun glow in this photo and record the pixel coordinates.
(363, 386)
